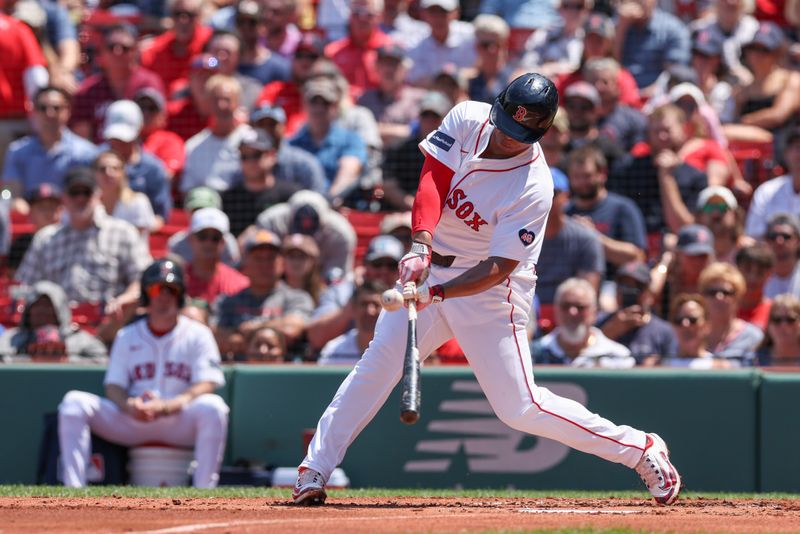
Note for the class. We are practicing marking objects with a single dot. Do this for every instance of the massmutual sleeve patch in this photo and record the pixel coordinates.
(442, 140)
(526, 236)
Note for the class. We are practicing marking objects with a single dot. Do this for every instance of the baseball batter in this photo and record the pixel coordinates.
(479, 216)
(159, 387)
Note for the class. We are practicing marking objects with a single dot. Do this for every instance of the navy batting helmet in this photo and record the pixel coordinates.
(163, 271)
(526, 108)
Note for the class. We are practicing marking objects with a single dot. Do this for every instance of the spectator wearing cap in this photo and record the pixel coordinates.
(718, 210)
(267, 301)
(334, 315)
(301, 256)
(755, 262)
(255, 59)
(46, 155)
(93, 257)
(576, 341)
(634, 324)
(226, 46)
(557, 49)
(783, 237)
(403, 162)
(772, 99)
(729, 337)
(145, 172)
(451, 43)
(581, 101)
(294, 165)
(24, 72)
(648, 40)
(164, 144)
(117, 197)
(732, 22)
(288, 94)
(394, 103)
(207, 276)
(492, 70)
(309, 213)
(713, 75)
(398, 225)
(44, 208)
(401, 27)
(619, 121)
(188, 107)
(680, 264)
(355, 54)
(617, 220)
(120, 77)
(654, 175)
(530, 14)
(170, 53)
(341, 152)
(256, 186)
(212, 156)
(178, 243)
(598, 43)
(778, 195)
(348, 348)
(569, 249)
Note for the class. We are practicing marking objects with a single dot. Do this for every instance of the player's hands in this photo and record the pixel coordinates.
(423, 294)
(415, 266)
(140, 409)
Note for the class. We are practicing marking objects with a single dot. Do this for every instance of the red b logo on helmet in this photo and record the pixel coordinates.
(519, 116)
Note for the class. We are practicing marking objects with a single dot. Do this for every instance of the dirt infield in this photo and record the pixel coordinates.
(372, 515)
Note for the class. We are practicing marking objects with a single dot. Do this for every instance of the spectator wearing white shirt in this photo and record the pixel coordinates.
(212, 156)
(779, 195)
(348, 348)
(451, 43)
(783, 237)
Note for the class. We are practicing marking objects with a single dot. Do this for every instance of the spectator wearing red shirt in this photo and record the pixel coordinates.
(188, 107)
(755, 262)
(207, 276)
(22, 73)
(355, 54)
(164, 144)
(120, 79)
(288, 95)
(170, 54)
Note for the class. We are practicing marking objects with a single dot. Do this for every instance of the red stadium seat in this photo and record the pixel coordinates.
(367, 225)
(20, 224)
(755, 160)
(87, 315)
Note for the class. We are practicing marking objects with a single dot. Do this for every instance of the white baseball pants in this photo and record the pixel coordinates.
(490, 327)
(202, 424)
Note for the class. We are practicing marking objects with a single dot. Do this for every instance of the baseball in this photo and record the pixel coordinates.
(391, 300)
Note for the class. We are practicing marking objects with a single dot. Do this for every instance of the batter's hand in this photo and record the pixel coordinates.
(423, 294)
(415, 265)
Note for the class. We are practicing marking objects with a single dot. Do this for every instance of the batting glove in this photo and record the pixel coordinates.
(423, 294)
(415, 266)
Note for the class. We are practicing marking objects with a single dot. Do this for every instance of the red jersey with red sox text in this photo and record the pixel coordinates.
(494, 207)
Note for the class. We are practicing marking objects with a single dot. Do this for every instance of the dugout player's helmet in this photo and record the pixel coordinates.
(163, 271)
(526, 108)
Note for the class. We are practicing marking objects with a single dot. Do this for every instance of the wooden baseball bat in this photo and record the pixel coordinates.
(410, 392)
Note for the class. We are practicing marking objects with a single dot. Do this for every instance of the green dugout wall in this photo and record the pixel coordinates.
(458, 441)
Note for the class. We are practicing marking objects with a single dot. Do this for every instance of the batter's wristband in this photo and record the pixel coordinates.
(437, 293)
(421, 248)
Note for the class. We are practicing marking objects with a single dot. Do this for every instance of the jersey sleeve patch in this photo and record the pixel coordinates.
(527, 237)
(442, 140)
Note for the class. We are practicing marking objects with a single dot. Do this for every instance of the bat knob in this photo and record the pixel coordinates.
(409, 417)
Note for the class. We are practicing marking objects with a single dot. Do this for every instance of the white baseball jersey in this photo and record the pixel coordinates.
(495, 207)
(169, 364)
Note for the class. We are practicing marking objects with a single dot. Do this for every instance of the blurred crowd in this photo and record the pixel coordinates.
(270, 147)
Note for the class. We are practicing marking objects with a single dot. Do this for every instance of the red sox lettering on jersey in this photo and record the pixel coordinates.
(464, 209)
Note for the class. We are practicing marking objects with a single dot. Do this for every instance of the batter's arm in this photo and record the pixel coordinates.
(487, 274)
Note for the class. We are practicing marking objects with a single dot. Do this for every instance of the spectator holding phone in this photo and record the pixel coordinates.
(633, 324)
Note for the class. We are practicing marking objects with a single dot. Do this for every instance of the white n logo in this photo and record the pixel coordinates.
(490, 445)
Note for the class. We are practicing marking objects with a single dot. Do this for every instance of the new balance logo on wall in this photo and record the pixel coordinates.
(489, 444)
